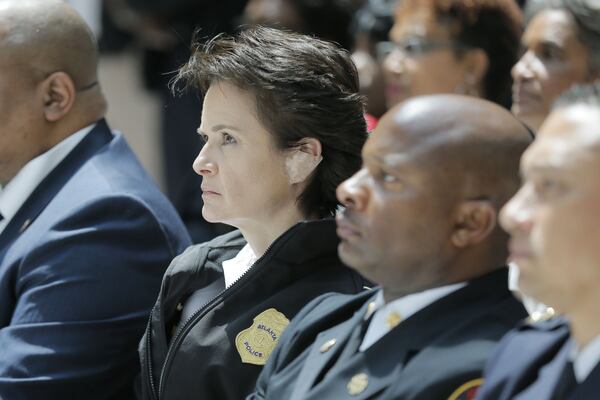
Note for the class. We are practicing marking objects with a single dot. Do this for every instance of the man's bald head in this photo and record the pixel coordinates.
(48, 83)
(435, 172)
(471, 146)
(48, 36)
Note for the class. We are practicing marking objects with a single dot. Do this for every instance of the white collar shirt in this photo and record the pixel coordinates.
(585, 359)
(404, 307)
(234, 268)
(16, 192)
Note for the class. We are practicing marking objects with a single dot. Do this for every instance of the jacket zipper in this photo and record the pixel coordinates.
(184, 328)
(149, 354)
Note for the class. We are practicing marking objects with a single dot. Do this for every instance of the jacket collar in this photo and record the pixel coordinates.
(99, 136)
(474, 299)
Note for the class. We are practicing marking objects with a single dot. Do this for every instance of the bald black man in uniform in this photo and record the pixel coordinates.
(420, 220)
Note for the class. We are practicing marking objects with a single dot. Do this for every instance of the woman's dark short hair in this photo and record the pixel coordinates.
(495, 26)
(587, 17)
(304, 87)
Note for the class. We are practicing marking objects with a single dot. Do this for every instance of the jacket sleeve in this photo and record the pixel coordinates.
(83, 292)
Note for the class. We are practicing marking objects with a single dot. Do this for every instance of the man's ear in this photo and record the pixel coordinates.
(475, 221)
(59, 95)
(303, 159)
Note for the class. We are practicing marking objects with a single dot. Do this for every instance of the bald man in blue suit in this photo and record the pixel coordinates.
(85, 235)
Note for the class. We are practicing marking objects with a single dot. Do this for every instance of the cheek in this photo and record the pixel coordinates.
(437, 73)
(556, 79)
(567, 236)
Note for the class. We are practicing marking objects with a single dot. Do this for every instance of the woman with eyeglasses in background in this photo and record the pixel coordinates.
(452, 46)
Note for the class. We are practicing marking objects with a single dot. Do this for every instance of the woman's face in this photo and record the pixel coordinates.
(422, 60)
(244, 181)
(554, 59)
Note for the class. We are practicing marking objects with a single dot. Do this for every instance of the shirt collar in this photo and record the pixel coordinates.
(16, 192)
(585, 359)
(410, 304)
(234, 268)
(403, 307)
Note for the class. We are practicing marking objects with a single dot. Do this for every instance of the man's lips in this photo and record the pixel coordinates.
(345, 229)
(519, 250)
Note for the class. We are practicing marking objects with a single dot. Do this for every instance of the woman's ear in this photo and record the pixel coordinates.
(477, 64)
(303, 159)
(59, 96)
(476, 219)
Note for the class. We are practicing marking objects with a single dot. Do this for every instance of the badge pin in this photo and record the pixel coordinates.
(25, 226)
(370, 309)
(393, 319)
(357, 384)
(327, 345)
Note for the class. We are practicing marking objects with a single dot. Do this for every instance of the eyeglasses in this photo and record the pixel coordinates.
(415, 47)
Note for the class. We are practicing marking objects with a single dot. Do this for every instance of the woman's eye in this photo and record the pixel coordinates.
(228, 139)
(548, 53)
(387, 178)
(548, 187)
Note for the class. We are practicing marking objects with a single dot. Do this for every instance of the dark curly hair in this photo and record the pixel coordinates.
(304, 87)
(495, 26)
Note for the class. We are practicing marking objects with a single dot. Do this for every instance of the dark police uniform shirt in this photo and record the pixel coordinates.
(530, 364)
(437, 353)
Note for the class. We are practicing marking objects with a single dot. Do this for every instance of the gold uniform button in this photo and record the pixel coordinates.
(327, 345)
(393, 319)
(357, 384)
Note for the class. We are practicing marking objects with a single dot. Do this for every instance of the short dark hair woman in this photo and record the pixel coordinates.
(453, 46)
(283, 126)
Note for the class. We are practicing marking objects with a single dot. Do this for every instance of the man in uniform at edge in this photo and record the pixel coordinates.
(554, 223)
(420, 219)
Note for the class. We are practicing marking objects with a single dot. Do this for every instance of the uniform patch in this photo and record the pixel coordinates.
(256, 343)
(467, 391)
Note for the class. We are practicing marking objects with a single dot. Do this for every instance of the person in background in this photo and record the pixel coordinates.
(326, 19)
(562, 47)
(283, 125)
(85, 235)
(420, 219)
(453, 46)
(554, 223)
(370, 26)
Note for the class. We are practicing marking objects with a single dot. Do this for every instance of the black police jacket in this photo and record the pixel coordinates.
(218, 352)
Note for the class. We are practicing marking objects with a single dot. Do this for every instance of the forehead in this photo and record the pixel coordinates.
(417, 19)
(552, 25)
(400, 142)
(224, 100)
(568, 140)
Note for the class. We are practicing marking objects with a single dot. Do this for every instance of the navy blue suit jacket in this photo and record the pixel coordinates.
(80, 267)
(528, 362)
